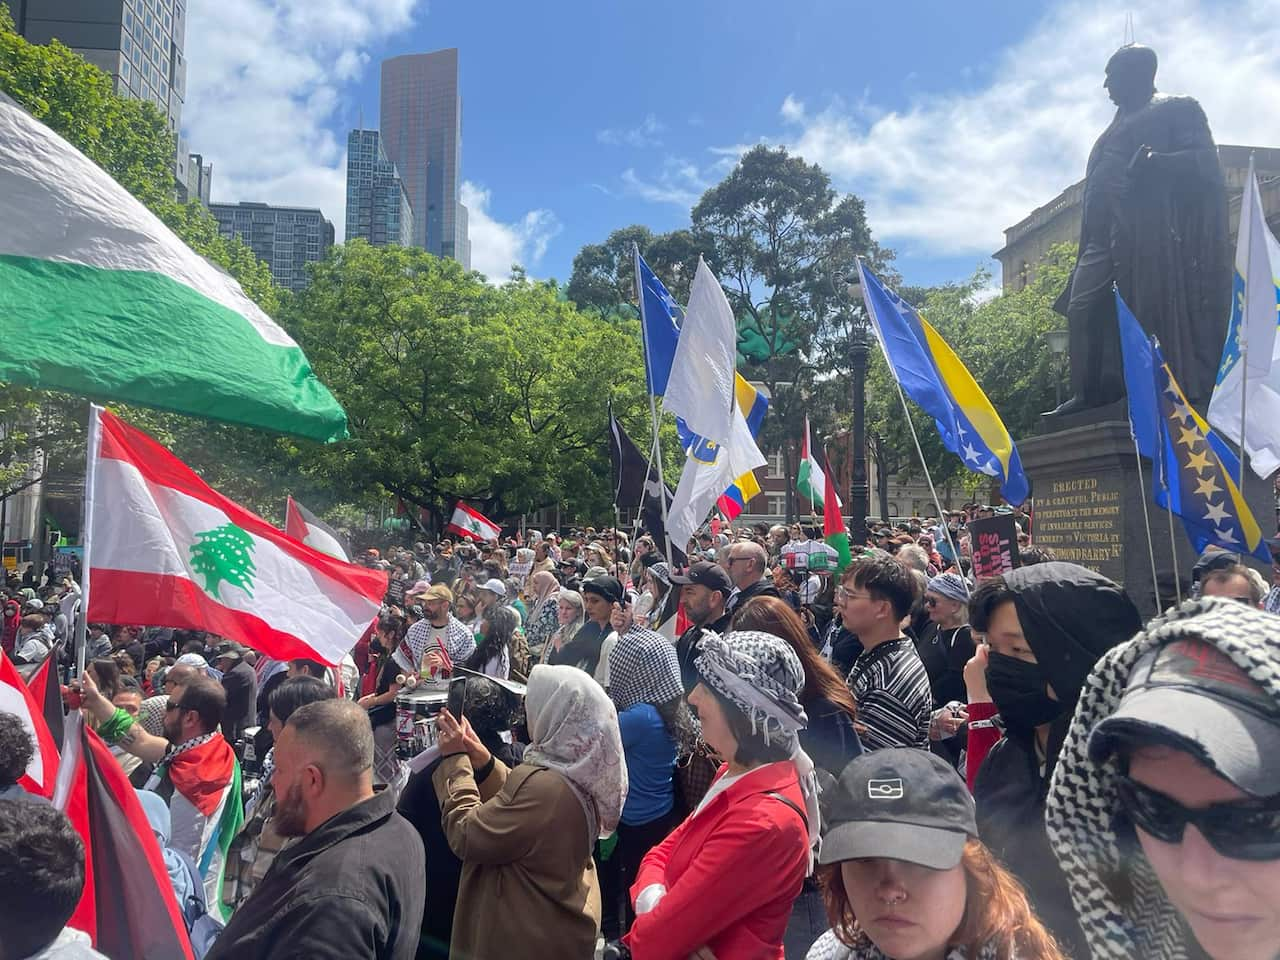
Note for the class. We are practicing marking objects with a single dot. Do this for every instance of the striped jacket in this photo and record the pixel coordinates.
(891, 687)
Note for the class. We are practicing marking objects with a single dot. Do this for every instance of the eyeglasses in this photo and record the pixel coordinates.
(930, 601)
(843, 594)
(173, 705)
(1244, 830)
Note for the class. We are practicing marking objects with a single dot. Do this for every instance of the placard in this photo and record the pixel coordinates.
(994, 542)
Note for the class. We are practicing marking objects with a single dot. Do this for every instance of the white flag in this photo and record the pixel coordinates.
(708, 470)
(1251, 333)
(700, 389)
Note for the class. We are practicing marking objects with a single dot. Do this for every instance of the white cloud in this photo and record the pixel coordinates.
(264, 86)
(679, 183)
(495, 245)
(644, 134)
(947, 174)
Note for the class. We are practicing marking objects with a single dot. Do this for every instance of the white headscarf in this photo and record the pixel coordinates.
(573, 727)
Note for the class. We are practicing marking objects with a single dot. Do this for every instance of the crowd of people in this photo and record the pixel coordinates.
(746, 756)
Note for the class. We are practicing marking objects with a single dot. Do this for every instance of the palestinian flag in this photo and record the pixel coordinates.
(206, 795)
(833, 529)
(301, 524)
(100, 298)
(47, 691)
(811, 481)
(16, 698)
(128, 907)
(164, 548)
(472, 524)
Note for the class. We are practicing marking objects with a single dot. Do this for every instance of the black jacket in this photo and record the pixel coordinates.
(944, 654)
(241, 684)
(353, 887)
(761, 588)
(687, 650)
(1010, 794)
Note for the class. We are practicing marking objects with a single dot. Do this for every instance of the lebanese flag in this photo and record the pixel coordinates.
(165, 548)
(16, 698)
(127, 907)
(301, 524)
(473, 524)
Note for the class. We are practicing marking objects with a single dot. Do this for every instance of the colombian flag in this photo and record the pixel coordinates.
(753, 405)
(932, 375)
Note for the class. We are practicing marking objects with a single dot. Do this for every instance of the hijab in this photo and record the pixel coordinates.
(544, 587)
(573, 730)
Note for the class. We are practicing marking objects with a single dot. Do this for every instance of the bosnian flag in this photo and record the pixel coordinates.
(16, 698)
(127, 907)
(472, 523)
(167, 549)
(301, 524)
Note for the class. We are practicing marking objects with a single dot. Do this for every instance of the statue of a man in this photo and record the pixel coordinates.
(1155, 223)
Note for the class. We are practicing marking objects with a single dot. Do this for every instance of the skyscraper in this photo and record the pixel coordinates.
(287, 238)
(138, 43)
(378, 208)
(421, 127)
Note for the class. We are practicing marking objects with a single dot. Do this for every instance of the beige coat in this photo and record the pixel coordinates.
(528, 889)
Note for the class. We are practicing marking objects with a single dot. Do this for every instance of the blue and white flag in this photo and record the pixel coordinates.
(700, 389)
(1251, 334)
(660, 318)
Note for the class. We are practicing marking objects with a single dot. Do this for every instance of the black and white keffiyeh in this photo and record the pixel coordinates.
(1082, 797)
(761, 675)
(828, 947)
(643, 668)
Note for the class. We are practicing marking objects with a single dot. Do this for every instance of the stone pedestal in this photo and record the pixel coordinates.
(1088, 508)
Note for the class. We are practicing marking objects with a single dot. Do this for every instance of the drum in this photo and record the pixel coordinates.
(416, 712)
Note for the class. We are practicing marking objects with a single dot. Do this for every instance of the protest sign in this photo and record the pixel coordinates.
(995, 546)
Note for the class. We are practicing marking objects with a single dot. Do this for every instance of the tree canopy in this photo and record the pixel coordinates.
(456, 388)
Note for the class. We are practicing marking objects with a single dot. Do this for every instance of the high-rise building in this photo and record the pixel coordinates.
(199, 180)
(378, 208)
(421, 127)
(287, 238)
(139, 43)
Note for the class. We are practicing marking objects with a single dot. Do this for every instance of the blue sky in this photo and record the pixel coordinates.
(951, 120)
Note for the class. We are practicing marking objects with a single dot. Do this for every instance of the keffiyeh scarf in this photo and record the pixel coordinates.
(761, 675)
(643, 668)
(1081, 800)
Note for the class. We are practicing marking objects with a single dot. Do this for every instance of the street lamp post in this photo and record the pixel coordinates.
(859, 328)
(1058, 343)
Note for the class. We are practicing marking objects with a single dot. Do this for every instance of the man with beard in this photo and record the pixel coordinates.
(1045, 627)
(704, 591)
(352, 885)
(196, 770)
(439, 640)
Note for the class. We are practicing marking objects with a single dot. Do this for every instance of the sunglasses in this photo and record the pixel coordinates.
(173, 705)
(1244, 830)
(930, 601)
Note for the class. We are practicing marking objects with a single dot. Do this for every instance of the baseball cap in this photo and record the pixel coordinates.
(706, 574)
(606, 586)
(437, 591)
(902, 803)
(494, 586)
(227, 651)
(1190, 695)
(422, 586)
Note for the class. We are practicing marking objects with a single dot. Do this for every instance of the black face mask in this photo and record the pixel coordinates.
(1020, 693)
(375, 645)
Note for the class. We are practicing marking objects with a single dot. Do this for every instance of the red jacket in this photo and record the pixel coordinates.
(731, 873)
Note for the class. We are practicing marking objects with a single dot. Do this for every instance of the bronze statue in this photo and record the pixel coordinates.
(1155, 223)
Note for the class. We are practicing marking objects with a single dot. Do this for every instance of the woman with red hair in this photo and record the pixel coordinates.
(904, 876)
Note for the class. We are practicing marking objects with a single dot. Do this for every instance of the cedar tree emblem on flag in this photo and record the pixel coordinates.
(224, 553)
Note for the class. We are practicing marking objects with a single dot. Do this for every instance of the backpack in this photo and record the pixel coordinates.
(202, 927)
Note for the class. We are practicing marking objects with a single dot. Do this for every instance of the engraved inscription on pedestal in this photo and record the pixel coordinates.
(1082, 520)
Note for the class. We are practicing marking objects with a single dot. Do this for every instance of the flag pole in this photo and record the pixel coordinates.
(653, 403)
(1146, 520)
(86, 528)
(1173, 550)
(928, 477)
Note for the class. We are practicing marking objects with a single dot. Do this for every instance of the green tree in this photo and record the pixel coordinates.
(1002, 342)
(459, 389)
(603, 277)
(131, 141)
(783, 239)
